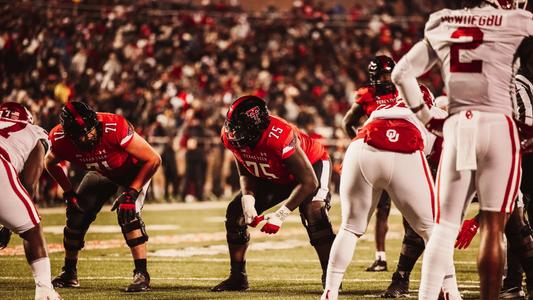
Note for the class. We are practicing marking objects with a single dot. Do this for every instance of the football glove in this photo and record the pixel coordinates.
(71, 199)
(5, 236)
(274, 220)
(467, 233)
(249, 211)
(126, 206)
(435, 125)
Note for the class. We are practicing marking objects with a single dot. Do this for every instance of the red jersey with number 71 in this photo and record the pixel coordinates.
(108, 157)
(277, 143)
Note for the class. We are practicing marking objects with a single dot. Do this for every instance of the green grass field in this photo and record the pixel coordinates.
(188, 256)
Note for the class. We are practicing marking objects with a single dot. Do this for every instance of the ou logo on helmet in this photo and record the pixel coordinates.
(392, 135)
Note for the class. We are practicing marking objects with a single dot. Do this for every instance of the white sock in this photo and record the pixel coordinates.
(380, 255)
(438, 257)
(340, 257)
(41, 272)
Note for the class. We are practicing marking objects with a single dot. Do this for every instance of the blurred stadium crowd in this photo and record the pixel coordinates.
(172, 67)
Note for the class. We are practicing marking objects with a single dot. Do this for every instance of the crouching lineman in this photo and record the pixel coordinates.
(276, 162)
(379, 93)
(22, 150)
(107, 146)
(387, 155)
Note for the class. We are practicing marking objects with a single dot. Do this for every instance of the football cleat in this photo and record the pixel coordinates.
(515, 292)
(235, 282)
(45, 293)
(66, 279)
(378, 266)
(141, 282)
(399, 286)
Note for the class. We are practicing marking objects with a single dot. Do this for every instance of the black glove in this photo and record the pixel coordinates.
(126, 206)
(5, 236)
(71, 199)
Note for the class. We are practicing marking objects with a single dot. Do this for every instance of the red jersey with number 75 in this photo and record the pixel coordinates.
(277, 143)
(108, 157)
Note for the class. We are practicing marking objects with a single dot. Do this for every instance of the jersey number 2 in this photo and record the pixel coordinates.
(474, 66)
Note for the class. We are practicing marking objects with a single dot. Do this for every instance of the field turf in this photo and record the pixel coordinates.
(188, 256)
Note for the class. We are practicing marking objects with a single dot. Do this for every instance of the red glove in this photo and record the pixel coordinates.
(256, 221)
(435, 126)
(467, 233)
(126, 206)
(275, 220)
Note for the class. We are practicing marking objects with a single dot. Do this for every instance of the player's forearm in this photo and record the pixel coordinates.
(146, 172)
(412, 65)
(301, 192)
(247, 185)
(59, 175)
(348, 128)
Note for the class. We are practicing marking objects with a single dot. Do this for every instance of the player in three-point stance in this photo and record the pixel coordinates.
(114, 156)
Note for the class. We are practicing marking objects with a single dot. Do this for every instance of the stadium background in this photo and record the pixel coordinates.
(171, 68)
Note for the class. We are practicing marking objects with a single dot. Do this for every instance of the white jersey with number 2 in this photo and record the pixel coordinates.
(477, 48)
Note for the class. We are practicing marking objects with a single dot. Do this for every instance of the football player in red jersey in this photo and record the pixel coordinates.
(381, 90)
(276, 162)
(107, 146)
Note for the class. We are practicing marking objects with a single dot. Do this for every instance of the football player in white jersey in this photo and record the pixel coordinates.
(22, 149)
(387, 154)
(476, 46)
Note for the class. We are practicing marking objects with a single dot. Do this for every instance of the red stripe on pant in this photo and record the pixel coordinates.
(518, 179)
(429, 181)
(511, 178)
(24, 200)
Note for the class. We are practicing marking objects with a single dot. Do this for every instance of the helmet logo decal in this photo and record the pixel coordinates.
(75, 114)
(253, 113)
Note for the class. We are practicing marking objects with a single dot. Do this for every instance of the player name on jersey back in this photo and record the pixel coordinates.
(474, 20)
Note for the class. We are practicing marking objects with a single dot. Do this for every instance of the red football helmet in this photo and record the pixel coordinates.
(15, 112)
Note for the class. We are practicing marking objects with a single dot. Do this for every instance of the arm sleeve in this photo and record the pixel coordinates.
(125, 132)
(289, 146)
(415, 63)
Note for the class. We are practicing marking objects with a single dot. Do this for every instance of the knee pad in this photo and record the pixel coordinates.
(136, 224)
(236, 232)
(318, 226)
(73, 239)
(80, 221)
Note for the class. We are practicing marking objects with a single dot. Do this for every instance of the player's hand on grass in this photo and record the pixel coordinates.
(72, 199)
(467, 233)
(249, 211)
(125, 203)
(274, 220)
